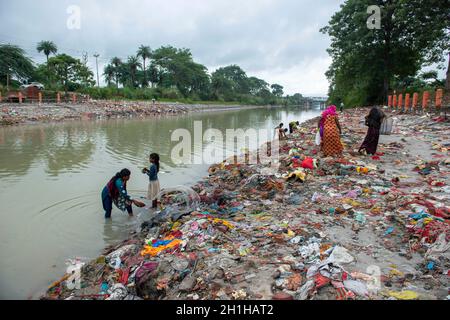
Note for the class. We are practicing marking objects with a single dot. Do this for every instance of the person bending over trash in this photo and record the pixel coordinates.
(293, 126)
(116, 191)
(373, 121)
(330, 131)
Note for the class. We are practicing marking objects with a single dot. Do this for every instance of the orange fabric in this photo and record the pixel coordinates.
(154, 251)
(400, 101)
(389, 101)
(331, 141)
(395, 101)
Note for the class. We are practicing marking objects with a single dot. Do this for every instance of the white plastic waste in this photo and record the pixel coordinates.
(117, 292)
(340, 255)
(356, 287)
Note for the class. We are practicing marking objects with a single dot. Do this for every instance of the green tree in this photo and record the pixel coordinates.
(277, 90)
(14, 63)
(256, 85)
(366, 61)
(116, 64)
(132, 66)
(47, 47)
(145, 53)
(177, 69)
(70, 72)
(234, 76)
(109, 74)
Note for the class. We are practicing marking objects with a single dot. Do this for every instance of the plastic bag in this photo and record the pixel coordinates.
(387, 126)
(318, 138)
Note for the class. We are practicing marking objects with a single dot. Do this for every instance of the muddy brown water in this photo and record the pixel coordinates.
(51, 176)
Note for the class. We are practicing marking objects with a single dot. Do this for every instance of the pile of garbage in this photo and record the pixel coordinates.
(350, 228)
(14, 113)
(94, 109)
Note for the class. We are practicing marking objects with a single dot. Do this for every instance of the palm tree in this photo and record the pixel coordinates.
(47, 47)
(133, 63)
(109, 73)
(116, 63)
(145, 53)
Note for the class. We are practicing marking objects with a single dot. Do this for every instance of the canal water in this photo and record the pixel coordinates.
(51, 176)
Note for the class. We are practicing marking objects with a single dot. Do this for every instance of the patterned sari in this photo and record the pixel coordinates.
(331, 141)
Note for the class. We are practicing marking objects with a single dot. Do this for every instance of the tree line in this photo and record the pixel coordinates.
(166, 72)
(368, 63)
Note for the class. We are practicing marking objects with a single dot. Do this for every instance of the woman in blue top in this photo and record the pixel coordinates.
(152, 172)
(116, 191)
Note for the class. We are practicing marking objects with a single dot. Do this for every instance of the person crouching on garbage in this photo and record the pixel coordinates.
(152, 172)
(116, 191)
(293, 126)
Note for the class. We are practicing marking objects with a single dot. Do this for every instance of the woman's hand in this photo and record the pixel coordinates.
(145, 170)
(138, 204)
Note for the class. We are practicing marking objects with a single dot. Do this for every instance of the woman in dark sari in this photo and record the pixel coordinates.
(373, 121)
(116, 192)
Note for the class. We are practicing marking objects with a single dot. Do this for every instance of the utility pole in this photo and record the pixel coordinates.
(96, 63)
(447, 81)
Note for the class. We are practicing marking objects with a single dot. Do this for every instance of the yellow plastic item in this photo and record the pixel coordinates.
(224, 222)
(154, 251)
(290, 233)
(404, 295)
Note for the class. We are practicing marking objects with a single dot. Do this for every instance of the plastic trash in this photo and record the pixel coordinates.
(357, 287)
(305, 290)
(340, 255)
(404, 295)
(438, 248)
(118, 292)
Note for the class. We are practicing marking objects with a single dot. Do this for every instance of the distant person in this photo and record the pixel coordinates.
(116, 192)
(330, 132)
(373, 120)
(341, 107)
(152, 172)
(293, 126)
(280, 131)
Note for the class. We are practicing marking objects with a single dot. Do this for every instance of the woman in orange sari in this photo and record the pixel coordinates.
(330, 131)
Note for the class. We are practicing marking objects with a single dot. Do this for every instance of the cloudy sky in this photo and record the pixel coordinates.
(277, 40)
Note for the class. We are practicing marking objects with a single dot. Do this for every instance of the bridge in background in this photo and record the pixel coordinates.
(316, 102)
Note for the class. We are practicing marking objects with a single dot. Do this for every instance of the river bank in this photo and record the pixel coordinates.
(335, 233)
(14, 113)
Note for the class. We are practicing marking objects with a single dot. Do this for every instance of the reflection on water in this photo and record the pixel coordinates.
(51, 177)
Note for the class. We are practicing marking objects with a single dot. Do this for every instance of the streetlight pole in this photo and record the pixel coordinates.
(96, 63)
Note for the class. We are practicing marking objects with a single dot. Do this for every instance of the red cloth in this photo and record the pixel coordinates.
(308, 163)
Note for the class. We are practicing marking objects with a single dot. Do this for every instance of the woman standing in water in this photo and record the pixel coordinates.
(116, 191)
(373, 121)
(330, 132)
(152, 172)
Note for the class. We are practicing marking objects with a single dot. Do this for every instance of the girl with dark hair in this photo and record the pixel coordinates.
(373, 121)
(152, 172)
(116, 191)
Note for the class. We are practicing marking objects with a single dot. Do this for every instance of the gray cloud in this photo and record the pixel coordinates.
(278, 40)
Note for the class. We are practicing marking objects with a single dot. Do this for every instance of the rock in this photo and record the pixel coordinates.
(187, 284)
(282, 296)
